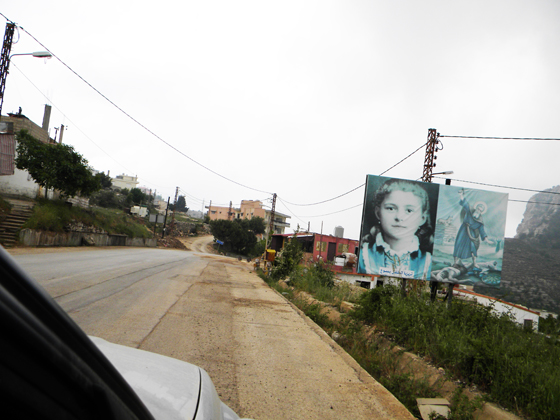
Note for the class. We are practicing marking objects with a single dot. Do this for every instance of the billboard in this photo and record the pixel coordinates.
(424, 231)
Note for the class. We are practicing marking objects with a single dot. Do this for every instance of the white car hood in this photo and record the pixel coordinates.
(169, 388)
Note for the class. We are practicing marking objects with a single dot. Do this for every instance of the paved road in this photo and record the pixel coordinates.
(266, 359)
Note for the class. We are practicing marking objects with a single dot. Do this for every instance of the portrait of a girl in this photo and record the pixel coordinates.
(400, 242)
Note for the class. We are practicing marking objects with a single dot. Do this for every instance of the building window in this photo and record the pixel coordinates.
(342, 248)
(321, 246)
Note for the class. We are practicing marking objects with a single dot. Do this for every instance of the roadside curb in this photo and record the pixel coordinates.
(362, 374)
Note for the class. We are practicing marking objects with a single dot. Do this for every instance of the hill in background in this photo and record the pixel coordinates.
(531, 266)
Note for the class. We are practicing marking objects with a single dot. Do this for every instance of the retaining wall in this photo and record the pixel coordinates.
(31, 237)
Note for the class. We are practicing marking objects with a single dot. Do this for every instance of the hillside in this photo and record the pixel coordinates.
(531, 266)
(530, 276)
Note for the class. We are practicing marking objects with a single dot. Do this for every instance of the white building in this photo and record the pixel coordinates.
(14, 181)
(520, 314)
(125, 181)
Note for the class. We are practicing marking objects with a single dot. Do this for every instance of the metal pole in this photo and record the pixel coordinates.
(5, 59)
(165, 219)
(449, 294)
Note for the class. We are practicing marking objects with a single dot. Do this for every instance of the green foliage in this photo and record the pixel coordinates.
(238, 235)
(518, 368)
(56, 216)
(181, 204)
(5, 209)
(56, 166)
(258, 249)
(105, 180)
(256, 225)
(549, 325)
(288, 259)
(108, 198)
(137, 197)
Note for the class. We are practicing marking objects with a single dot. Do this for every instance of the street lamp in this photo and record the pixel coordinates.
(443, 173)
(38, 54)
(5, 65)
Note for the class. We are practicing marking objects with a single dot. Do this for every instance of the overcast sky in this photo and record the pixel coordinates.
(298, 98)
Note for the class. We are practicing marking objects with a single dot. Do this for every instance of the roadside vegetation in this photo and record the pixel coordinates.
(5, 209)
(515, 367)
(240, 235)
(57, 216)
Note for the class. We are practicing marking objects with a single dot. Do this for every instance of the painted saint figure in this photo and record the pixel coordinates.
(401, 240)
(471, 231)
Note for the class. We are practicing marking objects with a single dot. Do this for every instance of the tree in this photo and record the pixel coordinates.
(288, 260)
(56, 166)
(238, 235)
(106, 181)
(136, 196)
(181, 204)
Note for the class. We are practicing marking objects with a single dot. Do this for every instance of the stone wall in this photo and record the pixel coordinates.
(31, 237)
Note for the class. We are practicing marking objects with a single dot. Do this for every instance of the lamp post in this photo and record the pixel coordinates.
(5, 58)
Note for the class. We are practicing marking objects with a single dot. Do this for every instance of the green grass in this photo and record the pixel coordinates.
(56, 216)
(519, 369)
(5, 209)
(516, 368)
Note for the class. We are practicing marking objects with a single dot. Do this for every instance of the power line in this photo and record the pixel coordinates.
(339, 211)
(138, 122)
(500, 186)
(536, 202)
(502, 138)
(65, 116)
(359, 186)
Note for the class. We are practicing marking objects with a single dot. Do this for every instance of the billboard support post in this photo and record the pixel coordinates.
(449, 294)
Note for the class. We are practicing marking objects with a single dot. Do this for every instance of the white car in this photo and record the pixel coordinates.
(50, 369)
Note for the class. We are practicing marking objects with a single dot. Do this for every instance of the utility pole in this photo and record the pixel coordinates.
(229, 212)
(433, 139)
(431, 148)
(165, 219)
(174, 205)
(427, 177)
(271, 223)
(5, 59)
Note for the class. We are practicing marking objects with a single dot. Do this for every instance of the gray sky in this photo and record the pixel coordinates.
(300, 98)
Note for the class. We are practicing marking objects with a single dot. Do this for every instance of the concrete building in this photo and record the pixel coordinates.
(317, 246)
(14, 181)
(523, 316)
(125, 181)
(247, 210)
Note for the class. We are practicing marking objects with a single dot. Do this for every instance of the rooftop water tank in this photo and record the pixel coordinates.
(339, 232)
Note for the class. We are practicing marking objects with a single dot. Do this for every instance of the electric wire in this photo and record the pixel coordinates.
(536, 202)
(65, 116)
(500, 186)
(359, 186)
(138, 122)
(502, 138)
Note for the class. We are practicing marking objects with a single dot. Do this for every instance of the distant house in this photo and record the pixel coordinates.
(125, 181)
(522, 315)
(247, 210)
(14, 181)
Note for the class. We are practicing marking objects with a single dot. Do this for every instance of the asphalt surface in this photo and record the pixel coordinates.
(267, 360)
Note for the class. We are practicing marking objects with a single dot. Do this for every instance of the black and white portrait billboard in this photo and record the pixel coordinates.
(427, 231)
